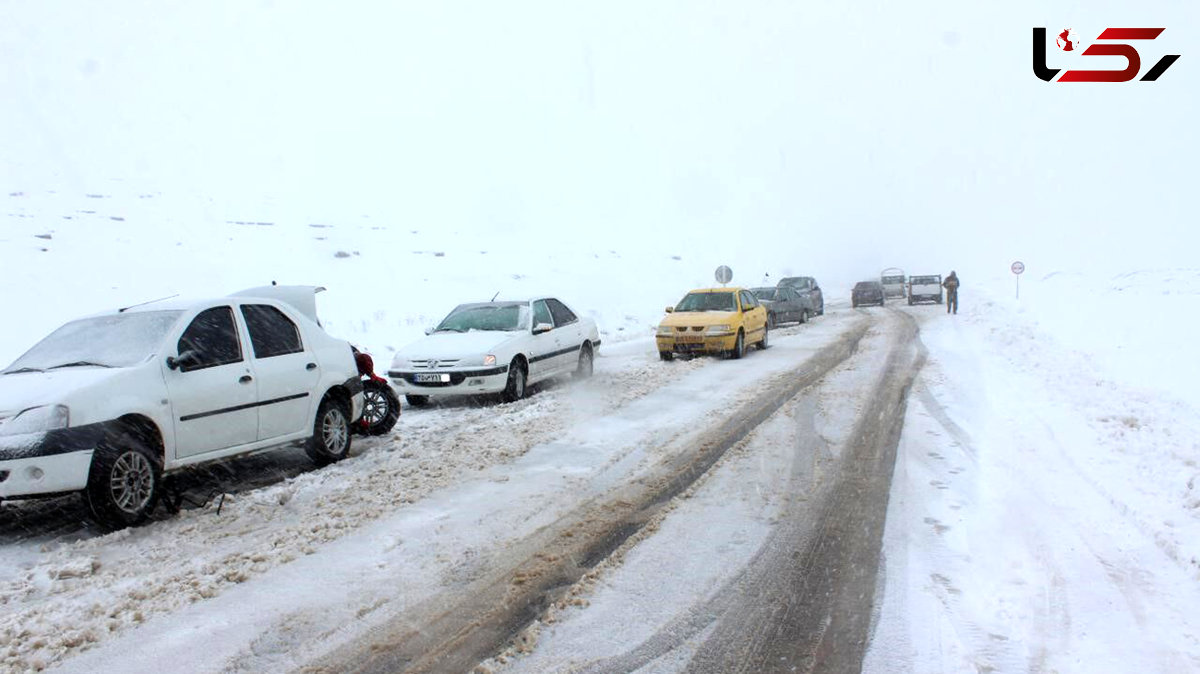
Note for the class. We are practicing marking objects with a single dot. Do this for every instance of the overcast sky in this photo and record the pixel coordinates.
(833, 133)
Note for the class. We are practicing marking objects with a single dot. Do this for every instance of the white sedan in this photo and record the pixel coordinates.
(496, 347)
(109, 404)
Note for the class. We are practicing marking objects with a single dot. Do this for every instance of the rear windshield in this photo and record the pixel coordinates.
(708, 302)
(925, 280)
(866, 285)
(893, 279)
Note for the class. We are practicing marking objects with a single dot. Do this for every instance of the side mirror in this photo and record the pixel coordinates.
(669, 309)
(541, 328)
(188, 358)
(428, 331)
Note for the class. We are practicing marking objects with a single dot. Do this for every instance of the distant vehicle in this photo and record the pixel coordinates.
(867, 292)
(925, 289)
(809, 291)
(893, 282)
(108, 404)
(713, 320)
(496, 347)
(784, 305)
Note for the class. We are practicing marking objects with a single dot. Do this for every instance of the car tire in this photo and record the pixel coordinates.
(764, 344)
(771, 322)
(803, 316)
(514, 390)
(854, 305)
(666, 356)
(416, 400)
(381, 408)
(587, 362)
(739, 346)
(330, 441)
(124, 481)
(821, 311)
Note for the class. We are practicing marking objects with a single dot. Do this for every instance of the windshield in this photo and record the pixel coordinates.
(118, 340)
(493, 317)
(707, 302)
(767, 294)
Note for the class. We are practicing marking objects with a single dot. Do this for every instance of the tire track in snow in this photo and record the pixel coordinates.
(454, 634)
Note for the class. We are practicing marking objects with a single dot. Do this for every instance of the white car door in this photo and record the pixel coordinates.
(212, 390)
(287, 371)
(544, 347)
(570, 335)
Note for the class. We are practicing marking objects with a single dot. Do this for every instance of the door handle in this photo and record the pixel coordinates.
(246, 379)
(310, 366)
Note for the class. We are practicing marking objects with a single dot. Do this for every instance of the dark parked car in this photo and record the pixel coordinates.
(809, 291)
(867, 292)
(784, 305)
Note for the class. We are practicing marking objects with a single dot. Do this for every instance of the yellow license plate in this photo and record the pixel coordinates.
(691, 339)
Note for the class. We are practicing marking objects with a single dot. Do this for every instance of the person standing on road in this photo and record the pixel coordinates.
(951, 286)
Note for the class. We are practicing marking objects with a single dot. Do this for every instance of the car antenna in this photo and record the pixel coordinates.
(495, 296)
(142, 304)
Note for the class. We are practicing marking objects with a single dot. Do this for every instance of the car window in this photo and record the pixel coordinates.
(748, 301)
(212, 334)
(770, 293)
(272, 333)
(541, 313)
(562, 315)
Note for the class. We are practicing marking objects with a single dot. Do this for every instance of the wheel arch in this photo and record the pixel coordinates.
(145, 429)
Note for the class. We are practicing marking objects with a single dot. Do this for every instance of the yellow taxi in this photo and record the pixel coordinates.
(713, 320)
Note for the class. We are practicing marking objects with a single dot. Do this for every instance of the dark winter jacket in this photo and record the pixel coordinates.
(951, 282)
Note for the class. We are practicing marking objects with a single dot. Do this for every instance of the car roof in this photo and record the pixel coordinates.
(732, 289)
(263, 294)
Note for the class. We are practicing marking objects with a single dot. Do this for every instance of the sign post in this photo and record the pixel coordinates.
(724, 275)
(1018, 268)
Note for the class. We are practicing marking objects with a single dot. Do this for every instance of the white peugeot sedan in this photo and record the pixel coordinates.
(108, 404)
(496, 347)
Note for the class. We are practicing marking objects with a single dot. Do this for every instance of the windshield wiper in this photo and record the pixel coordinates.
(22, 369)
(79, 363)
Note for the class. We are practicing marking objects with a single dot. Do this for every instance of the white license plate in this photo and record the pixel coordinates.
(431, 378)
(691, 339)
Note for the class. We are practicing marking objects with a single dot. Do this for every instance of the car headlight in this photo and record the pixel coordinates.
(665, 331)
(489, 359)
(716, 329)
(37, 420)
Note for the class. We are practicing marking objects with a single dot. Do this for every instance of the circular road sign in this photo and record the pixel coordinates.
(1018, 267)
(724, 274)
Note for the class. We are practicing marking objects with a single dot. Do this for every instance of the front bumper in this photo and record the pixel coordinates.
(450, 382)
(47, 474)
(705, 344)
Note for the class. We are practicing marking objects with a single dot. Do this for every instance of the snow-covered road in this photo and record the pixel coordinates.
(1039, 517)
(466, 501)
(703, 515)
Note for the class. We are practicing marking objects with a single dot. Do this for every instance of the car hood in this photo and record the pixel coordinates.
(23, 390)
(693, 318)
(445, 345)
